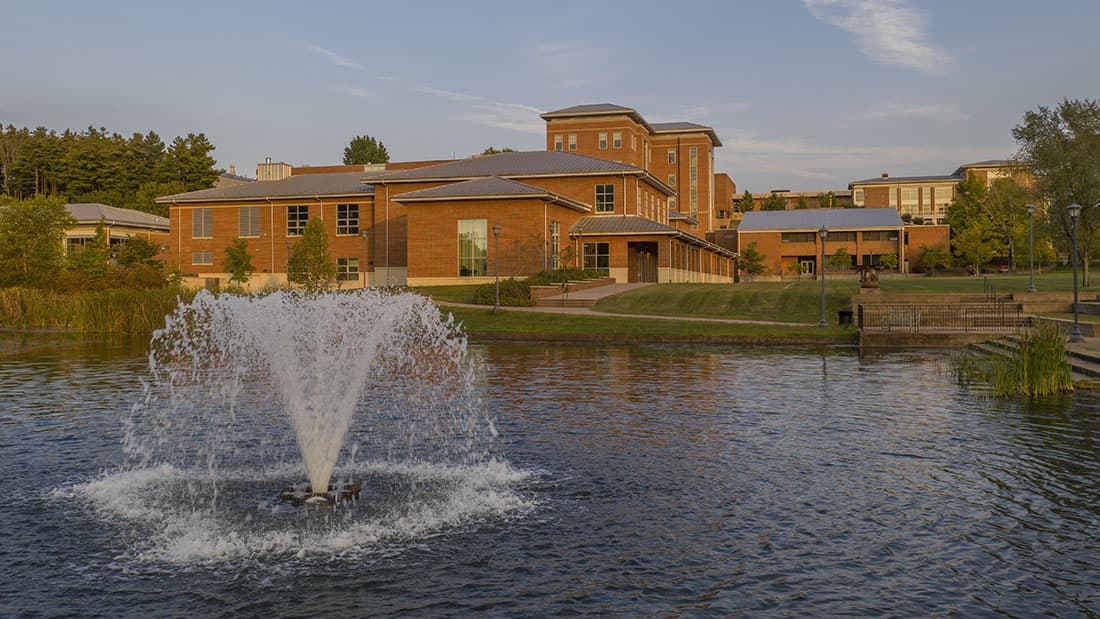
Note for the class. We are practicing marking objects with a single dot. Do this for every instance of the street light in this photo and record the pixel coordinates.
(1031, 244)
(496, 251)
(823, 232)
(1075, 333)
(363, 268)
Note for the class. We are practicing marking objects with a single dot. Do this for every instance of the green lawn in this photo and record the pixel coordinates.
(486, 322)
(1055, 281)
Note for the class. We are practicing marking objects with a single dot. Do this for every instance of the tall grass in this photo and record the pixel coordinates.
(123, 311)
(1037, 367)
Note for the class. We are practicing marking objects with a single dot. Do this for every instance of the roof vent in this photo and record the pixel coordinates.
(885, 175)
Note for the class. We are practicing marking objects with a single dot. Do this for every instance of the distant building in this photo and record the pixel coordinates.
(119, 224)
(229, 178)
(791, 243)
(925, 198)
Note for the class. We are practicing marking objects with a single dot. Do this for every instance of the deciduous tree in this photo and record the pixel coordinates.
(1061, 146)
(238, 262)
(31, 236)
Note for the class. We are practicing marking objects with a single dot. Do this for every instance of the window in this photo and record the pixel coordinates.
(248, 221)
(347, 269)
(347, 219)
(926, 200)
(603, 140)
(672, 155)
(296, 219)
(672, 204)
(893, 193)
(572, 141)
(693, 181)
(202, 257)
(798, 237)
(473, 248)
(605, 198)
(943, 197)
(671, 180)
(597, 257)
(75, 244)
(202, 223)
(857, 197)
(558, 142)
(842, 237)
(908, 199)
(880, 235)
(721, 213)
(555, 244)
(617, 139)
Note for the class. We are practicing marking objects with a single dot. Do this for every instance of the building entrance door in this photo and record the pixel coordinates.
(642, 262)
(807, 266)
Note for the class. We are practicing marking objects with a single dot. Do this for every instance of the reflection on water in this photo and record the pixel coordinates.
(663, 480)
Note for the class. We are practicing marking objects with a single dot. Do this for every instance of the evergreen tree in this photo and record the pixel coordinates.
(310, 264)
(774, 202)
(365, 149)
(92, 260)
(747, 202)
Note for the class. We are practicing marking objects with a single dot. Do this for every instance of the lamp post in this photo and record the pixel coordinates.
(823, 232)
(496, 252)
(1075, 333)
(1031, 245)
(363, 268)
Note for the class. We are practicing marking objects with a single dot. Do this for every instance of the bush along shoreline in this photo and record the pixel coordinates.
(113, 310)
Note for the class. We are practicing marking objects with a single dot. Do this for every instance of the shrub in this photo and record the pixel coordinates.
(513, 293)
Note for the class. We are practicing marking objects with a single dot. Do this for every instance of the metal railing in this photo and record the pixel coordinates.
(994, 317)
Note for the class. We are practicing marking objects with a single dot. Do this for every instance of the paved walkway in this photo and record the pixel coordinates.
(604, 291)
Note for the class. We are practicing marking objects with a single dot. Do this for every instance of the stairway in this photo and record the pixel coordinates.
(1084, 364)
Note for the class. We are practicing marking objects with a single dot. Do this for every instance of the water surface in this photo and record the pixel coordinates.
(644, 481)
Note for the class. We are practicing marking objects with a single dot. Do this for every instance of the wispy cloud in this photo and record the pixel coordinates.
(356, 91)
(568, 64)
(748, 153)
(888, 31)
(335, 58)
(481, 110)
(943, 112)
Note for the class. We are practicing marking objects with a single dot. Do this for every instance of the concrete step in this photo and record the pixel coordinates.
(565, 302)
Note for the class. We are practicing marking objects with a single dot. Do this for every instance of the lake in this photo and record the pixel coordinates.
(620, 481)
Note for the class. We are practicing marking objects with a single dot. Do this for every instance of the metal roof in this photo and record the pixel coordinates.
(814, 219)
(492, 187)
(92, 212)
(620, 224)
(589, 109)
(629, 225)
(907, 179)
(525, 163)
(304, 186)
(686, 127)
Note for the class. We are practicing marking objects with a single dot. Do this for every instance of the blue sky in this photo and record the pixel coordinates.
(805, 94)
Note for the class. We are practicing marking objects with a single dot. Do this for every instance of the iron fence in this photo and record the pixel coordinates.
(994, 317)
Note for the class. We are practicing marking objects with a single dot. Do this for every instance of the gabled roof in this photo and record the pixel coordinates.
(90, 213)
(304, 186)
(494, 188)
(620, 224)
(596, 109)
(814, 219)
(685, 127)
(633, 225)
(939, 178)
(520, 165)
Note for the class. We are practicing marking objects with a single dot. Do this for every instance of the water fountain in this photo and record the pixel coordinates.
(379, 389)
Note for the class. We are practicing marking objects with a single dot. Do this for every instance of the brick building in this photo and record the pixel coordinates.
(591, 199)
(925, 198)
(791, 243)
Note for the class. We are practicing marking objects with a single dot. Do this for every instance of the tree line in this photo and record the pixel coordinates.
(95, 165)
